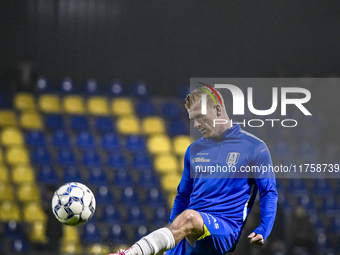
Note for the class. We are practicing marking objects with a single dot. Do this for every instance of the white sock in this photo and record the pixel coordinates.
(159, 240)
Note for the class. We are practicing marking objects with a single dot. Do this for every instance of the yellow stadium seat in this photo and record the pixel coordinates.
(122, 106)
(6, 191)
(71, 248)
(74, 105)
(28, 192)
(171, 199)
(166, 163)
(49, 103)
(153, 125)
(98, 249)
(70, 234)
(159, 144)
(8, 118)
(181, 163)
(181, 144)
(4, 177)
(170, 182)
(17, 155)
(38, 232)
(9, 211)
(98, 106)
(24, 101)
(12, 136)
(31, 120)
(128, 125)
(1, 156)
(33, 211)
(22, 173)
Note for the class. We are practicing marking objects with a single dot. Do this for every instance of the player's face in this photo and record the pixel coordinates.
(204, 123)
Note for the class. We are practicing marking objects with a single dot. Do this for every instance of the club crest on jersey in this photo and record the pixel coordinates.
(232, 158)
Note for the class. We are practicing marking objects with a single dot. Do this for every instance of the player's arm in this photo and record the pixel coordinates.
(184, 189)
(268, 195)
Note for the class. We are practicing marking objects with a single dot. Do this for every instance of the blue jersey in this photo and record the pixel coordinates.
(220, 180)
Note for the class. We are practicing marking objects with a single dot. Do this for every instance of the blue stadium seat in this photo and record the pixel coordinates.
(331, 206)
(298, 187)
(72, 174)
(135, 143)
(335, 225)
(66, 157)
(145, 108)
(47, 175)
(91, 87)
(54, 121)
(148, 180)
(104, 124)
(19, 245)
(130, 198)
(307, 203)
(41, 156)
(307, 151)
(322, 188)
(140, 90)
(123, 178)
(35, 138)
(14, 229)
(136, 217)
(155, 199)
(91, 234)
(117, 234)
(161, 217)
(85, 140)
(178, 127)
(171, 110)
(116, 89)
(60, 138)
(43, 85)
(117, 160)
(111, 215)
(110, 141)
(104, 196)
(97, 177)
(67, 86)
(142, 162)
(91, 159)
(79, 123)
(141, 231)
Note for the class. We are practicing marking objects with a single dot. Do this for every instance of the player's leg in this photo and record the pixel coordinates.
(188, 224)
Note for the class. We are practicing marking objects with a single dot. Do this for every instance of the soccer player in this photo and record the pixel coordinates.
(211, 206)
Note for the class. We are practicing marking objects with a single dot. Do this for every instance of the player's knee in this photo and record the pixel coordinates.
(190, 218)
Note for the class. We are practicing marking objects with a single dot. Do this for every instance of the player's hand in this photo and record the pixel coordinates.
(256, 239)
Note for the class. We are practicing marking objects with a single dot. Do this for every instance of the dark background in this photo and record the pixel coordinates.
(165, 43)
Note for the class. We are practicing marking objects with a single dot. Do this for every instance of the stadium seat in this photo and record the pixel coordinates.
(66, 157)
(91, 234)
(47, 175)
(11, 136)
(79, 123)
(43, 85)
(28, 192)
(159, 144)
(60, 138)
(171, 198)
(136, 217)
(128, 125)
(70, 234)
(91, 87)
(9, 211)
(116, 89)
(4, 176)
(135, 143)
(98, 248)
(117, 234)
(122, 107)
(74, 105)
(24, 101)
(17, 155)
(1, 156)
(7, 118)
(140, 232)
(331, 206)
(154, 198)
(97, 177)
(85, 140)
(14, 229)
(72, 174)
(71, 248)
(161, 217)
(166, 163)
(67, 86)
(111, 215)
(170, 182)
(322, 188)
(31, 120)
(41, 156)
(145, 108)
(117, 160)
(153, 126)
(6, 191)
(140, 90)
(181, 144)
(298, 187)
(123, 178)
(91, 159)
(104, 196)
(54, 121)
(110, 141)
(35, 138)
(129, 197)
(98, 106)
(171, 110)
(37, 233)
(104, 124)
(148, 180)
(33, 211)
(19, 246)
(49, 103)
(23, 173)
(178, 127)
(142, 162)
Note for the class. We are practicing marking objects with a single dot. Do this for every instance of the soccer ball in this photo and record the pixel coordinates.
(73, 204)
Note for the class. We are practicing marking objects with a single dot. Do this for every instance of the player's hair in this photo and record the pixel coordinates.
(196, 94)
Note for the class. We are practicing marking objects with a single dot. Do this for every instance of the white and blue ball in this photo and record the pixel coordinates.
(73, 204)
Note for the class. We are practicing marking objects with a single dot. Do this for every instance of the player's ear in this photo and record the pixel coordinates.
(218, 110)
